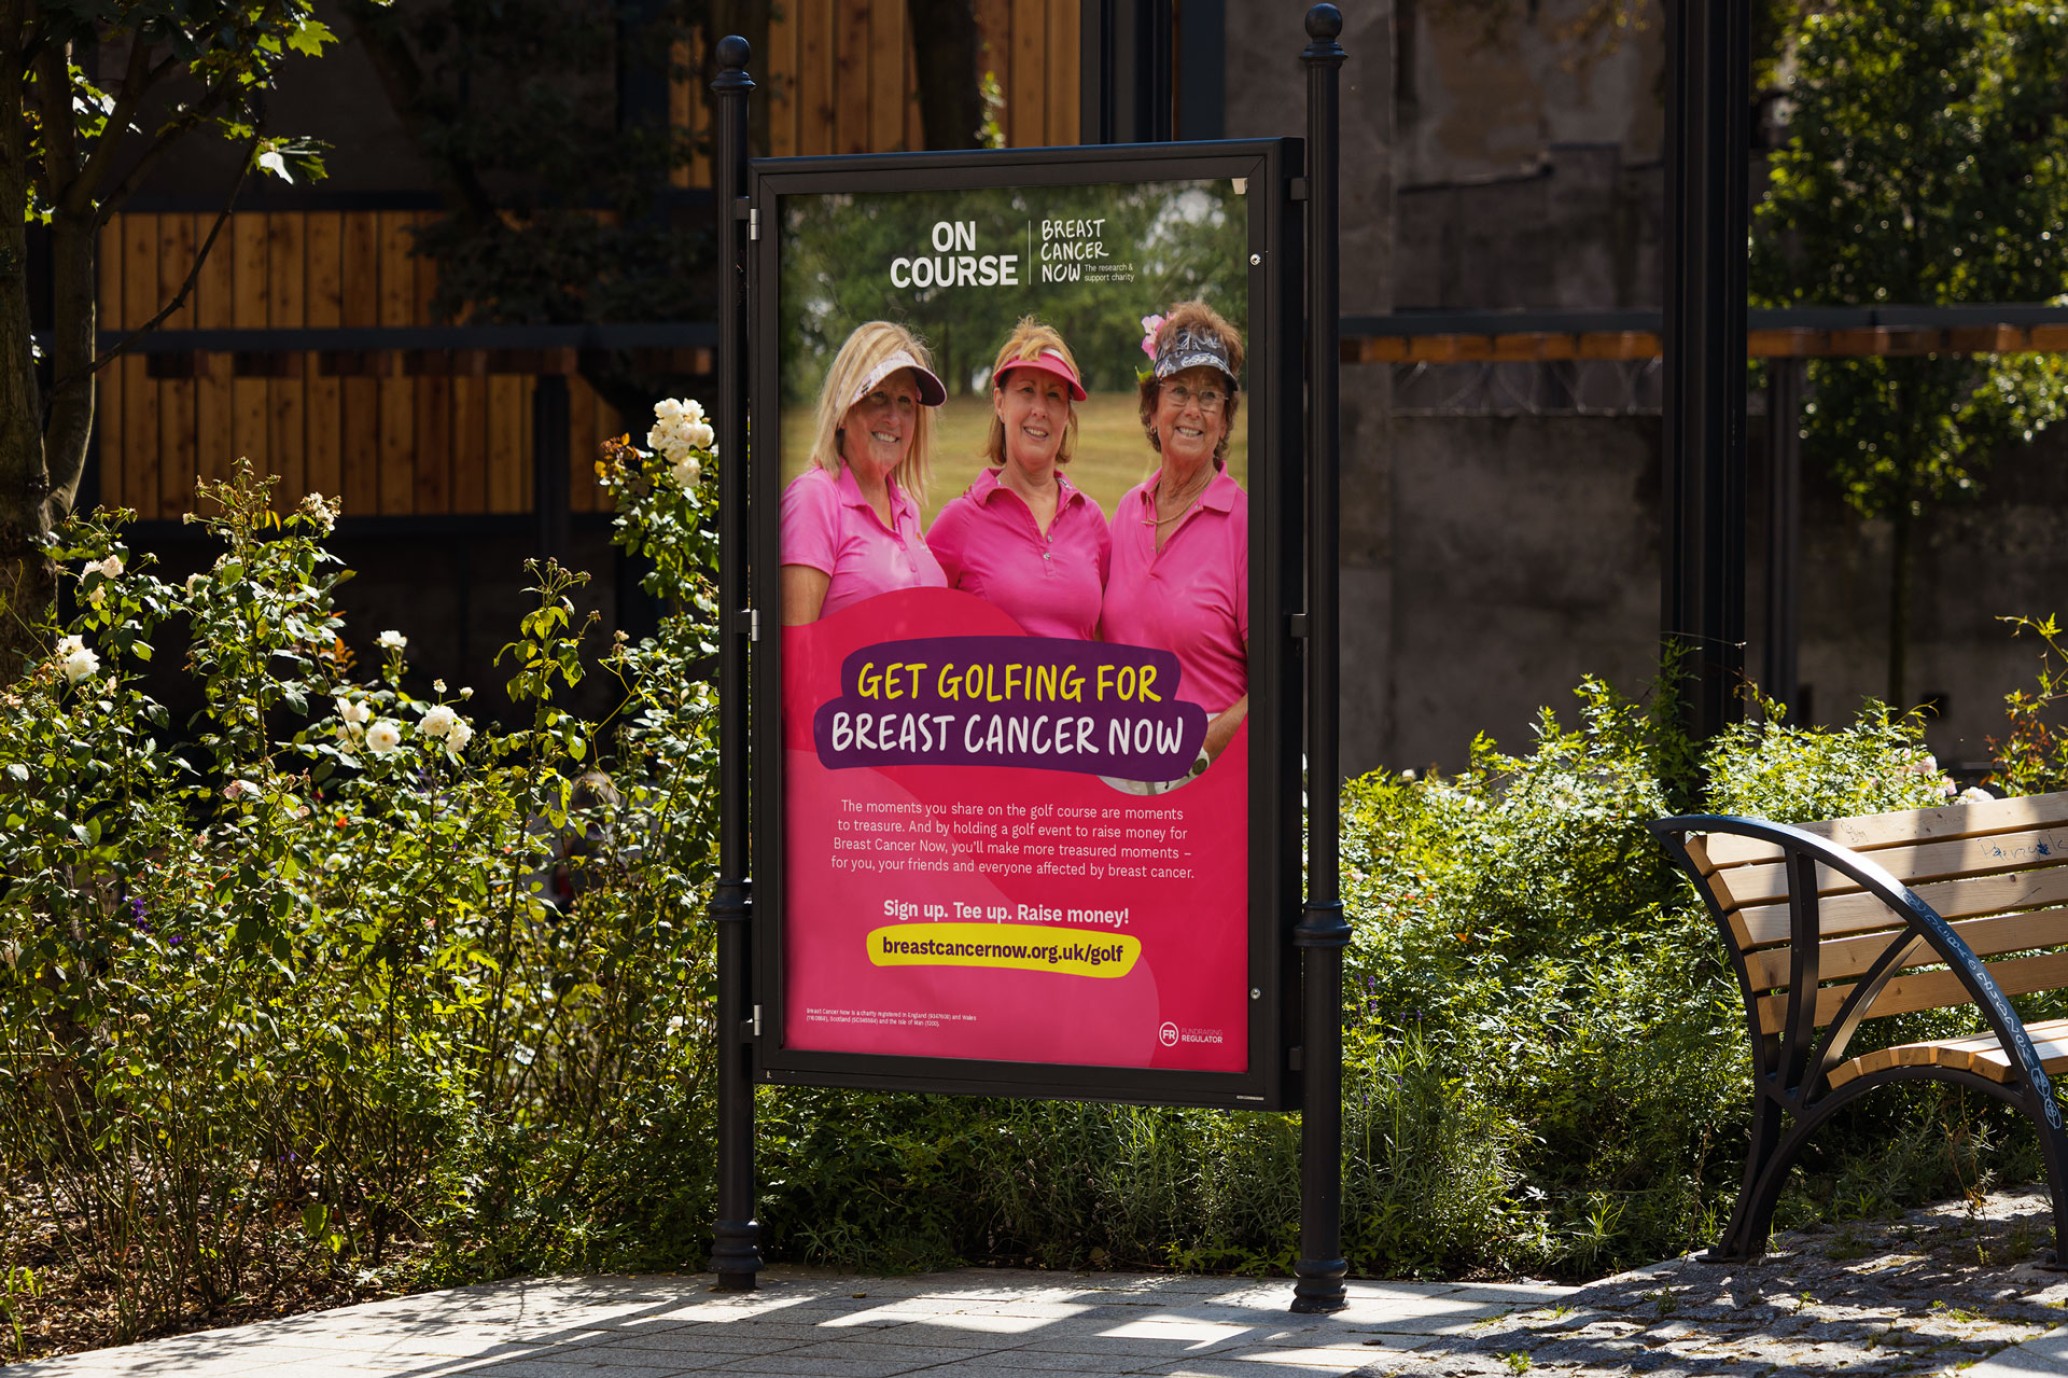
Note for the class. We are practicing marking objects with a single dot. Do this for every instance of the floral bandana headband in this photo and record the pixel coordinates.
(1190, 348)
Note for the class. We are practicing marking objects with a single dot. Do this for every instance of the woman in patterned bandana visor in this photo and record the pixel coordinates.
(1180, 567)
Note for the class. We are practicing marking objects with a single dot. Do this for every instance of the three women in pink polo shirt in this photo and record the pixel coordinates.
(1023, 537)
(1170, 571)
(850, 523)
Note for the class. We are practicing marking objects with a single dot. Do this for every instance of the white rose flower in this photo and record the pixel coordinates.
(391, 640)
(438, 686)
(437, 721)
(667, 409)
(467, 692)
(693, 409)
(687, 471)
(657, 438)
(701, 436)
(1975, 794)
(81, 664)
(68, 644)
(383, 737)
(457, 736)
(110, 568)
(358, 714)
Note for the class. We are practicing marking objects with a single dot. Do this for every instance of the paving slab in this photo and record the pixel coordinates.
(1961, 1288)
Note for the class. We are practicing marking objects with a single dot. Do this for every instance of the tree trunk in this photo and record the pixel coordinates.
(951, 93)
(27, 584)
(1905, 521)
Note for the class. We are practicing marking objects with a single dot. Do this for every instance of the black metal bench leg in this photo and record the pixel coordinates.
(2053, 1150)
(1744, 1238)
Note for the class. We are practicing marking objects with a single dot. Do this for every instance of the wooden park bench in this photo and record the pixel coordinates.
(1831, 924)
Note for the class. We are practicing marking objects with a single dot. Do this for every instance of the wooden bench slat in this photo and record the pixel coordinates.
(1875, 831)
(2025, 849)
(1977, 1053)
(1841, 958)
(1927, 990)
(1765, 925)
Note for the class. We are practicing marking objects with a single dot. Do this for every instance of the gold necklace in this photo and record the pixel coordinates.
(1189, 500)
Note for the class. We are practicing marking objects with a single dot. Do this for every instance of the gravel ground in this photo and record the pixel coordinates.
(1931, 1292)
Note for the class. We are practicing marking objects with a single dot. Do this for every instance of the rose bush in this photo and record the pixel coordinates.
(337, 987)
(293, 983)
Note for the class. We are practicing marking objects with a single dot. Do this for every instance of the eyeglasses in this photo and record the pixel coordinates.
(1209, 399)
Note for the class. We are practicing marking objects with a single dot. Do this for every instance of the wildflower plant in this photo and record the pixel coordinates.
(296, 988)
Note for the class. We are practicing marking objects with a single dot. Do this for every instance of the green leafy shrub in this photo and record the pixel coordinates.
(2032, 755)
(337, 987)
(337, 968)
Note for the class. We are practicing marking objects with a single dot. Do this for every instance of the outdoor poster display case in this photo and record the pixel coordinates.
(993, 858)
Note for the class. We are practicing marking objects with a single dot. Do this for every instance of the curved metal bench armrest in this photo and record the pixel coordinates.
(1921, 918)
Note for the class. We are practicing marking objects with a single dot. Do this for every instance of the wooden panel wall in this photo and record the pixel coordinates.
(839, 76)
(843, 78)
(390, 446)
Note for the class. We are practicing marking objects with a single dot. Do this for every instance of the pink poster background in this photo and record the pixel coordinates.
(1184, 1005)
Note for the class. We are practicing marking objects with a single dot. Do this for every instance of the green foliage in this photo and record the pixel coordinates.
(555, 204)
(1800, 774)
(1927, 164)
(230, 53)
(340, 969)
(340, 985)
(2032, 755)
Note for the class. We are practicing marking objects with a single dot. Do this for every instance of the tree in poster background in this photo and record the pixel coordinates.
(1183, 240)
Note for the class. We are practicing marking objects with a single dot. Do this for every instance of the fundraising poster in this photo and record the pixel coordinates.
(1014, 550)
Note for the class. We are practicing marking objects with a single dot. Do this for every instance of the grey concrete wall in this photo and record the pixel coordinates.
(1267, 96)
(2004, 553)
(1526, 555)
(1486, 87)
(1581, 228)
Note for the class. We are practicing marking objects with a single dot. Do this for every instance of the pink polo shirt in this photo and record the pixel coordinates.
(1190, 598)
(988, 544)
(827, 525)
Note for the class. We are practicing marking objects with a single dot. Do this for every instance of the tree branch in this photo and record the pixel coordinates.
(403, 80)
(137, 78)
(53, 78)
(179, 298)
(166, 137)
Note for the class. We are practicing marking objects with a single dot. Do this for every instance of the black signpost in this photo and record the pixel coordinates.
(1271, 1037)
(1322, 932)
(736, 1255)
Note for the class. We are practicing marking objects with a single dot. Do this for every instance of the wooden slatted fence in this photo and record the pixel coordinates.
(840, 78)
(390, 444)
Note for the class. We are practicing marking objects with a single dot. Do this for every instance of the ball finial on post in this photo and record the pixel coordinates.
(1324, 23)
(734, 51)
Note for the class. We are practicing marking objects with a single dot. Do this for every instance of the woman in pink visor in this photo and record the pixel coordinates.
(1180, 573)
(1023, 537)
(850, 523)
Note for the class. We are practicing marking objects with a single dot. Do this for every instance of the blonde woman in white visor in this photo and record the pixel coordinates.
(850, 523)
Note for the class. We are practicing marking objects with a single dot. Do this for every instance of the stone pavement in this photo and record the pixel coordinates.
(1946, 1289)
